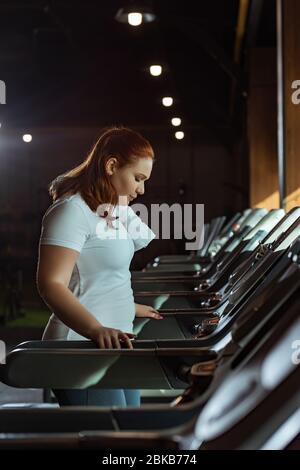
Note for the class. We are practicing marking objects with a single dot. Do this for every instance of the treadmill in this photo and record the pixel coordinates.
(254, 355)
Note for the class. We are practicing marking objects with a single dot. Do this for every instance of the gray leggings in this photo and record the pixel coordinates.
(97, 397)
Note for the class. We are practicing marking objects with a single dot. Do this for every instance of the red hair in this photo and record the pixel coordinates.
(90, 178)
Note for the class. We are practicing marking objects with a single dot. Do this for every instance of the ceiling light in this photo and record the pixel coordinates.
(27, 138)
(155, 70)
(135, 14)
(176, 121)
(135, 18)
(167, 101)
(179, 135)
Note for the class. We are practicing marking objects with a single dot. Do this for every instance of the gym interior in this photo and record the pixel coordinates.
(215, 88)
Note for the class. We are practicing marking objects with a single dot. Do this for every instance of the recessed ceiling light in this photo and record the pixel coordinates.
(176, 121)
(179, 135)
(167, 101)
(155, 70)
(27, 138)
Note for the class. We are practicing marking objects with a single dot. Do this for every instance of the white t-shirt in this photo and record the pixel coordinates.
(101, 279)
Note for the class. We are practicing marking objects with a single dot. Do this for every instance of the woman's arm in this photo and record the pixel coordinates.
(147, 311)
(54, 272)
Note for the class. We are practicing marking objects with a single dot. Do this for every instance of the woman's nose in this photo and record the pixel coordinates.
(141, 189)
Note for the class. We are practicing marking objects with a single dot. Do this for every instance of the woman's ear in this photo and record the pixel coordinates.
(111, 166)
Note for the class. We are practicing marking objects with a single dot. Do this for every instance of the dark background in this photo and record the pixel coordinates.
(70, 69)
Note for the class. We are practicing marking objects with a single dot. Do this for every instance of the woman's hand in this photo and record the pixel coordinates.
(147, 311)
(110, 338)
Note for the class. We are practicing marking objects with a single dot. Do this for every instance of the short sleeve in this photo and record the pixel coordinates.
(139, 232)
(65, 224)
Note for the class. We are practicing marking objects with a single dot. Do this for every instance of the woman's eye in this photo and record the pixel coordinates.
(136, 179)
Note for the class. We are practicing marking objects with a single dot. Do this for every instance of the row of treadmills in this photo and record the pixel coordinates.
(229, 344)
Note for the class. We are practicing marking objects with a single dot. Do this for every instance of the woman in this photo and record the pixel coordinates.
(88, 238)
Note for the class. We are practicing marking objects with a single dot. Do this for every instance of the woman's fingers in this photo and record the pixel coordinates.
(107, 341)
(112, 339)
(101, 342)
(126, 340)
(115, 341)
(156, 314)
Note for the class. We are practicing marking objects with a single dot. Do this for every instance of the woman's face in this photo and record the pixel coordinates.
(129, 181)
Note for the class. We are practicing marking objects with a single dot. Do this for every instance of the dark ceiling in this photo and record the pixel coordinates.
(72, 63)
